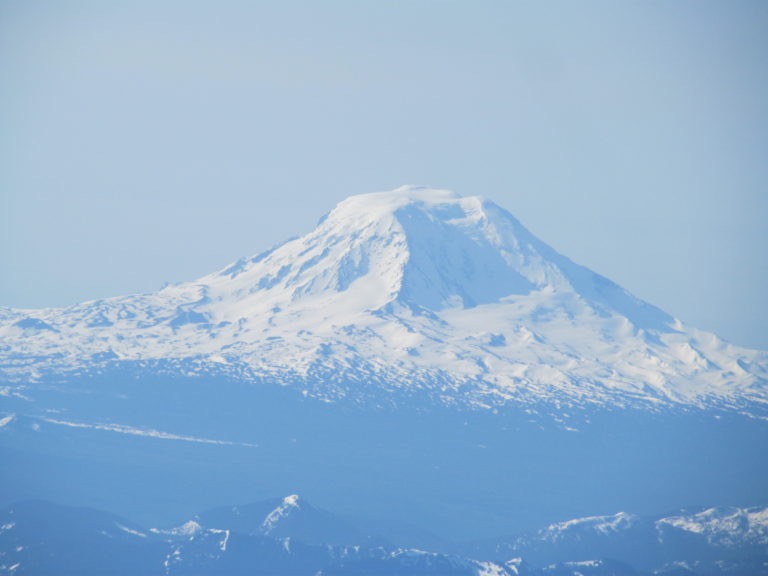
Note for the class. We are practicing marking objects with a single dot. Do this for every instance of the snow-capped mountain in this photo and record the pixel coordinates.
(725, 526)
(646, 542)
(418, 360)
(289, 517)
(415, 289)
(720, 527)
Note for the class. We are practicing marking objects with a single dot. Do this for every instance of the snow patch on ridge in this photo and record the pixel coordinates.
(724, 526)
(287, 507)
(598, 524)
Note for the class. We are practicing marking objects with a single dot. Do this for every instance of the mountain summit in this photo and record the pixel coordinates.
(425, 249)
(417, 289)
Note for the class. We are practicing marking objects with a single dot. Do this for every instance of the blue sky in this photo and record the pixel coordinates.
(144, 142)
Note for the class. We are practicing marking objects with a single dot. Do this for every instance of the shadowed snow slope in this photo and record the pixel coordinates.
(415, 288)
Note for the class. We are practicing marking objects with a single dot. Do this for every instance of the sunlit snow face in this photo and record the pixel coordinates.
(414, 285)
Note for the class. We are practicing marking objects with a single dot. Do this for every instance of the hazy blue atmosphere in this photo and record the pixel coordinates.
(145, 142)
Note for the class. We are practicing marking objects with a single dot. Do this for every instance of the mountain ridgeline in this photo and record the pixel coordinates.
(418, 286)
(419, 359)
(291, 537)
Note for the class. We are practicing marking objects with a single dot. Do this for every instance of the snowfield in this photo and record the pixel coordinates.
(415, 288)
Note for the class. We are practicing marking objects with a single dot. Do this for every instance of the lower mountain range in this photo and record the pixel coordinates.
(290, 537)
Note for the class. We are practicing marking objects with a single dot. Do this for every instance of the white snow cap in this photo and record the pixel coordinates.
(415, 288)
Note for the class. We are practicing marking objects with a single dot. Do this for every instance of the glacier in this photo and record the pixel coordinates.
(415, 288)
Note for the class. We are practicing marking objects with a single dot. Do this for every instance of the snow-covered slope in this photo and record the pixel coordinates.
(646, 541)
(723, 527)
(416, 289)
